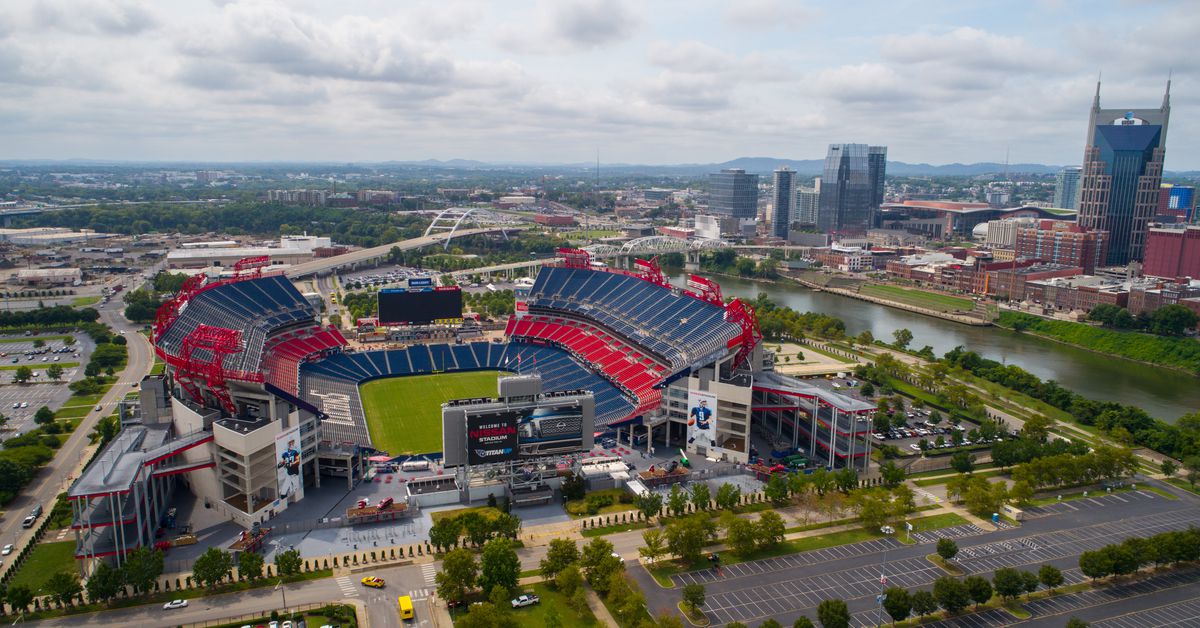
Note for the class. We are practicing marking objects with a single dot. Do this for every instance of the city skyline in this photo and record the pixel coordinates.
(553, 83)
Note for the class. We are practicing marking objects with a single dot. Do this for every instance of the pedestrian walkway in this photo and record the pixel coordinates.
(429, 572)
(346, 584)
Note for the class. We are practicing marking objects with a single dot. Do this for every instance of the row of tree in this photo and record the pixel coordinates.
(477, 527)
(1130, 555)
(1102, 463)
(57, 316)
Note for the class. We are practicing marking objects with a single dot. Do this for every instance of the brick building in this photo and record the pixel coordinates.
(1173, 252)
(1062, 242)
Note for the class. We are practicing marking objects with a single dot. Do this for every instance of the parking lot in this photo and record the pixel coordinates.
(41, 391)
(852, 572)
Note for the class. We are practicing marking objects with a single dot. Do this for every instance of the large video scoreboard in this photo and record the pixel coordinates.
(420, 304)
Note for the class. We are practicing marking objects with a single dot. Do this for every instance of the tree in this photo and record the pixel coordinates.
(507, 524)
(499, 565)
(701, 495)
(687, 537)
(962, 462)
(551, 618)
(599, 564)
(142, 567)
(1050, 576)
(1037, 427)
(1168, 467)
(562, 552)
(1095, 564)
(250, 565)
(478, 529)
(573, 488)
(1030, 580)
(893, 475)
(740, 535)
(1008, 583)
(1020, 493)
(287, 563)
(867, 390)
(19, 596)
(898, 603)
(22, 374)
(801, 622)
(444, 533)
(43, 416)
(649, 504)
(458, 574)
(105, 582)
(1076, 622)
(923, 603)
(693, 596)
(846, 478)
(212, 567)
(770, 529)
(63, 587)
(39, 343)
(653, 545)
(951, 594)
(777, 489)
(979, 589)
(947, 549)
(833, 613)
(1172, 320)
(569, 581)
(770, 623)
(728, 496)
(1192, 466)
(54, 372)
(676, 500)
(872, 507)
(903, 337)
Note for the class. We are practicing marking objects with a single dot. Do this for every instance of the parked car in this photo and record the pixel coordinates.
(173, 604)
(525, 600)
(8, 549)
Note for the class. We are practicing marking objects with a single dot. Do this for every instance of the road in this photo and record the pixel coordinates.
(413, 580)
(54, 477)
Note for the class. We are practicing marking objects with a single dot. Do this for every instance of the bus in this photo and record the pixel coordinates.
(406, 607)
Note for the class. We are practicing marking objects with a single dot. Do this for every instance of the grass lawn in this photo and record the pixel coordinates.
(1183, 484)
(536, 615)
(38, 366)
(577, 508)
(946, 478)
(404, 414)
(84, 301)
(937, 522)
(487, 511)
(937, 472)
(73, 412)
(918, 298)
(613, 529)
(46, 560)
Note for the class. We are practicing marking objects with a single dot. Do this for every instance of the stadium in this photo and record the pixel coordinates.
(260, 401)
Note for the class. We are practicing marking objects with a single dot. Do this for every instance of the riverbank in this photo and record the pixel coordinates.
(1179, 354)
(855, 294)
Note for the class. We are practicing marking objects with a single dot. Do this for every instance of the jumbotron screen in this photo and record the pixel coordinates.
(402, 307)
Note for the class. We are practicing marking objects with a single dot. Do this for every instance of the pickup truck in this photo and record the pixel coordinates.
(525, 600)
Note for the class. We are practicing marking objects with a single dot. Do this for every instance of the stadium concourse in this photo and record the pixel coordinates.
(260, 402)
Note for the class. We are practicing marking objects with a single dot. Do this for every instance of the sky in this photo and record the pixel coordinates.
(555, 81)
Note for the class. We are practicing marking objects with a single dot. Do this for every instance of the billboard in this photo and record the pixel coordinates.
(550, 429)
(702, 421)
(287, 465)
(492, 436)
(420, 306)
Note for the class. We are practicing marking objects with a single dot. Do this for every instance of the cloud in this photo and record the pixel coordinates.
(770, 14)
(105, 17)
(351, 47)
(566, 26)
(969, 48)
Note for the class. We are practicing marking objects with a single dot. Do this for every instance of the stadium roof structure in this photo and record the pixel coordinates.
(132, 456)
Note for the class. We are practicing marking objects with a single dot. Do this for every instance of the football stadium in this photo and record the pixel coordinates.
(261, 401)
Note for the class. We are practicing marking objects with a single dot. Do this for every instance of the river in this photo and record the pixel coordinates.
(1164, 393)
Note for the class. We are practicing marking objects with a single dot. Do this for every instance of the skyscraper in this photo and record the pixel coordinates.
(734, 193)
(851, 187)
(783, 201)
(1066, 187)
(1122, 171)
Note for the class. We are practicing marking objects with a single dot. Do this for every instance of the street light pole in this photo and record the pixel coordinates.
(887, 530)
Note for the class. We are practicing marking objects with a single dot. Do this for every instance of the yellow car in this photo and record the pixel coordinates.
(372, 581)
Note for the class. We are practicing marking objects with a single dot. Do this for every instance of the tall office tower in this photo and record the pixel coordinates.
(1122, 171)
(783, 201)
(851, 187)
(806, 206)
(732, 192)
(1066, 187)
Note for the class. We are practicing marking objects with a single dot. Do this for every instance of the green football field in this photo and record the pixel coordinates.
(404, 414)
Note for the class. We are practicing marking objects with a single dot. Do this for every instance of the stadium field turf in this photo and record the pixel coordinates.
(404, 414)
